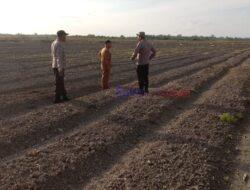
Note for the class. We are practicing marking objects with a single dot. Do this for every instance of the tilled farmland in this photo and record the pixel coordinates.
(113, 140)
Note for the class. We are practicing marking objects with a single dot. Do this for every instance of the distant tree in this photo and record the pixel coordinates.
(91, 35)
(212, 36)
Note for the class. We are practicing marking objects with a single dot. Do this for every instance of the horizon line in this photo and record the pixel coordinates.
(126, 36)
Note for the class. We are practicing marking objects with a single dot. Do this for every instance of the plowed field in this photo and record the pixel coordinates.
(116, 139)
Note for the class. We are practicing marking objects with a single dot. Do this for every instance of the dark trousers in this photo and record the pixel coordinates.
(59, 82)
(142, 74)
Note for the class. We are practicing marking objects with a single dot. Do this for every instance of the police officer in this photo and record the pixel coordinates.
(144, 52)
(58, 66)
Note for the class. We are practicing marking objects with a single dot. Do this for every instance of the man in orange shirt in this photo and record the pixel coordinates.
(105, 58)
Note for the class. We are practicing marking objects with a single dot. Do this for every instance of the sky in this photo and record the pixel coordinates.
(127, 17)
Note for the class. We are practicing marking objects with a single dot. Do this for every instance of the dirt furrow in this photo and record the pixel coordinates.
(192, 151)
(73, 65)
(85, 58)
(20, 133)
(38, 86)
(239, 178)
(161, 79)
(35, 99)
(79, 156)
(21, 68)
(38, 127)
(94, 73)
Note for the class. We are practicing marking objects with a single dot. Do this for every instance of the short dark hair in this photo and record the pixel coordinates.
(107, 42)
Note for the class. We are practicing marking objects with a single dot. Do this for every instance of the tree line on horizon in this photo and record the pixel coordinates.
(151, 37)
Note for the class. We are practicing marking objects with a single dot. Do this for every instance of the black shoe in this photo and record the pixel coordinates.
(141, 92)
(58, 101)
(65, 98)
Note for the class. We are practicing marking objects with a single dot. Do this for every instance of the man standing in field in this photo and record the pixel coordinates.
(58, 66)
(144, 52)
(105, 58)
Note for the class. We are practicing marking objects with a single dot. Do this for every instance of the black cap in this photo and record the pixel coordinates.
(62, 33)
(141, 34)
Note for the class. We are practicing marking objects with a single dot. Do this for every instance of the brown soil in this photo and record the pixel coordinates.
(242, 162)
(102, 141)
